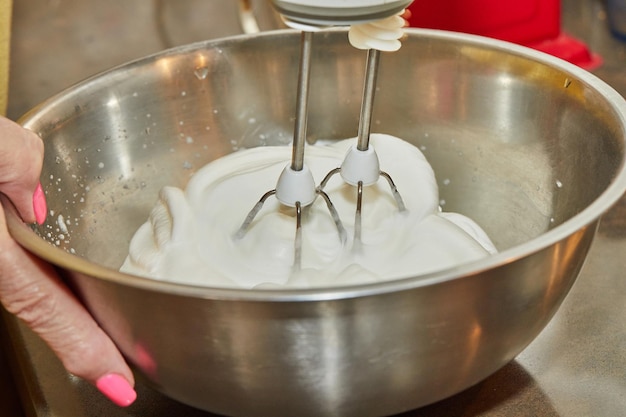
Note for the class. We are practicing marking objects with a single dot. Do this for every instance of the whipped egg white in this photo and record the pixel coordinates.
(189, 236)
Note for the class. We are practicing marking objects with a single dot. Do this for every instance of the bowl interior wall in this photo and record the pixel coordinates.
(517, 145)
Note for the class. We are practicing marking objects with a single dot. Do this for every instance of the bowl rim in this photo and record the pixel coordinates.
(28, 239)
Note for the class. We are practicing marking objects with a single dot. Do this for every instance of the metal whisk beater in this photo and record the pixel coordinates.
(361, 166)
(296, 186)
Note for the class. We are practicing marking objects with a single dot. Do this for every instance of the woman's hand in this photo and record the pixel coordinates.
(30, 288)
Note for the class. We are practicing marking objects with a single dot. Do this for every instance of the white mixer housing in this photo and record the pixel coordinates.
(338, 12)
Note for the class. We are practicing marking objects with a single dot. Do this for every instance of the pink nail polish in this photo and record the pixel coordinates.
(117, 389)
(39, 205)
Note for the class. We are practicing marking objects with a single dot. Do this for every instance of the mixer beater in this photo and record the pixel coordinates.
(361, 166)
(375, 25)
(296, 186)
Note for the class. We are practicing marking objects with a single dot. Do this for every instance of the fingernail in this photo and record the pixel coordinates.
(39, 205)
(117, 389)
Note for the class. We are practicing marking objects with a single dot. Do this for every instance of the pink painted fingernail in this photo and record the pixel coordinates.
(117, 389)
(39, 205)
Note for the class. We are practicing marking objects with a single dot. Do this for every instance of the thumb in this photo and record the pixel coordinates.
(31, 289)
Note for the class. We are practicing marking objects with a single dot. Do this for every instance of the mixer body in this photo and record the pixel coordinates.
(337, 13)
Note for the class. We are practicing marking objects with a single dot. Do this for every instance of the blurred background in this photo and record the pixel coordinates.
(57, 43)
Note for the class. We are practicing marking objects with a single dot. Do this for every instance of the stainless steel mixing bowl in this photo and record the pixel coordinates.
(530, 147)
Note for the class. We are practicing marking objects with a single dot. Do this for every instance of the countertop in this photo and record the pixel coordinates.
(575, 368)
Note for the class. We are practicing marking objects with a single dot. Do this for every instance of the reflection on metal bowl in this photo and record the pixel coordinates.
(530, 147)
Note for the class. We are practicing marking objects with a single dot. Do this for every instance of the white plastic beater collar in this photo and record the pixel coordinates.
(360, 166)
(296, 186)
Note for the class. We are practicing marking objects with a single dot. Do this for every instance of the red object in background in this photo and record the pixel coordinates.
(532, 23)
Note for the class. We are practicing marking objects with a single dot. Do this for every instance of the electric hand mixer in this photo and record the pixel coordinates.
(375, 26)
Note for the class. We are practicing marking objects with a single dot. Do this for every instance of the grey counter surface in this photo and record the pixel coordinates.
(575, 368)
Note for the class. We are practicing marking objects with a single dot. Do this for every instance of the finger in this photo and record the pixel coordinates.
(21, 158)
(30, 289)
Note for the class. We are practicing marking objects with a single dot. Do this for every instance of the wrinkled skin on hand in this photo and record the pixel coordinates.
(30, 288)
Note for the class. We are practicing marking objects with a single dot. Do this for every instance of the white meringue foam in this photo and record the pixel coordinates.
(383, 35)
(189, 236)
